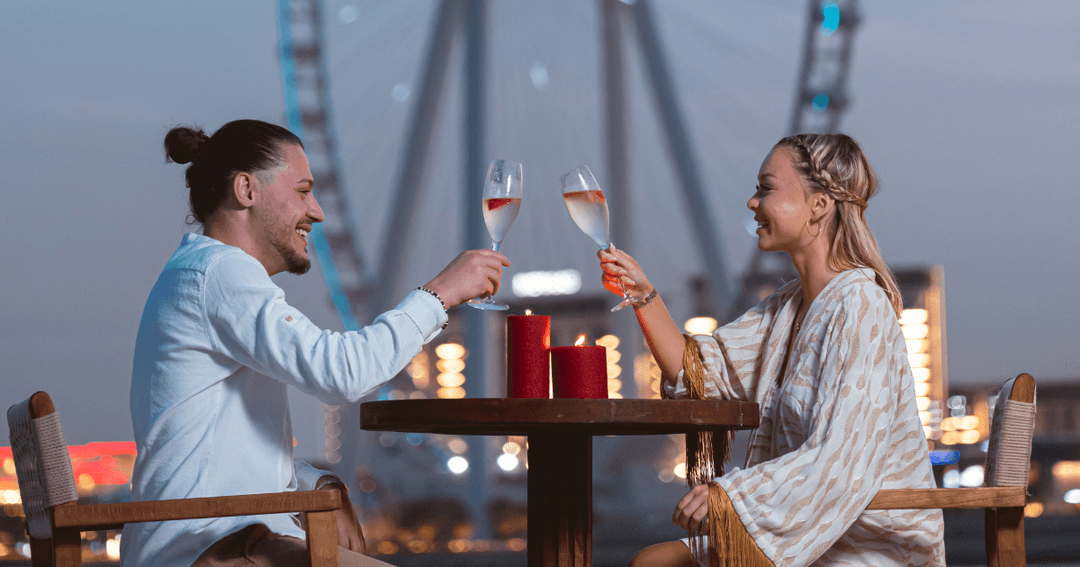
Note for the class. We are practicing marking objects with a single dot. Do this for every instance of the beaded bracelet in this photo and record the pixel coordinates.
(643, 301)
(436, 296)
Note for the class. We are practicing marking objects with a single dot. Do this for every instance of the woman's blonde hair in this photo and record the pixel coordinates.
(836, 165)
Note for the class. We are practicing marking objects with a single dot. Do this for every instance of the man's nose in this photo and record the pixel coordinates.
(315, 211)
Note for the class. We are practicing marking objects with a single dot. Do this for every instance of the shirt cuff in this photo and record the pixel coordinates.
(426, 311)
(307, 476)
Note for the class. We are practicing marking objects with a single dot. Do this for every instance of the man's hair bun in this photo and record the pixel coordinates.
(184, 144)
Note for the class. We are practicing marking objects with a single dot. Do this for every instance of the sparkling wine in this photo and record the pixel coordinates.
(590, 214)
(499, 214)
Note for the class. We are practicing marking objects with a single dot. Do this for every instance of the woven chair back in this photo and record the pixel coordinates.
(42, 464)
(1008, 456)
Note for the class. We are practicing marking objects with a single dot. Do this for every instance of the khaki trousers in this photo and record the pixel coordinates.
(257, 546)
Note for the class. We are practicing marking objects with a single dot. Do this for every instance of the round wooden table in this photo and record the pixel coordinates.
(560, 436)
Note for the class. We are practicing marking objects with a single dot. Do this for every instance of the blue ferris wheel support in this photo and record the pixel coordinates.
(302, 69)
(820, 101)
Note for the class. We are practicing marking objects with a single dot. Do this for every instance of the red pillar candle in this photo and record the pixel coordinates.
(528, 338)
(579, 372)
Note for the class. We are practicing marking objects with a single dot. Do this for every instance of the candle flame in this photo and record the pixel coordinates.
(528, 311)
(580, 340)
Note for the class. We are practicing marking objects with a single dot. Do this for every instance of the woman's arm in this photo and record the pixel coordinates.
(663, 335)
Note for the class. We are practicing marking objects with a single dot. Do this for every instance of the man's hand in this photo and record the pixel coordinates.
(474, 273)
(350, 534)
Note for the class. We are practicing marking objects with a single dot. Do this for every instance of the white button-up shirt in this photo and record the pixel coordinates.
(217, 348)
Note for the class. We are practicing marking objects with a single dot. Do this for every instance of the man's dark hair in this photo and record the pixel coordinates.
(249, 146)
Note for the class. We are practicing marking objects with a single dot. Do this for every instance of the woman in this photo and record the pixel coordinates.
(826, 360)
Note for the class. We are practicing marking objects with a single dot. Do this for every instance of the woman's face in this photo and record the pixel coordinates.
(780, 204)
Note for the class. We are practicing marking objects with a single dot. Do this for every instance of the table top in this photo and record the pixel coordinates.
(525, 416)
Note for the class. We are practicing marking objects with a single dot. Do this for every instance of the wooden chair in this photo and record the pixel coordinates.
(1007, 464)
(55, 521)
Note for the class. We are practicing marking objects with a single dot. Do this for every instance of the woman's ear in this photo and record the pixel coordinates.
(822, 205)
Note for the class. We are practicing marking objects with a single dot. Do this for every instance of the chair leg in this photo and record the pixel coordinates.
(41, 552)
(67, 548)
(1005, 537)
(322, 539)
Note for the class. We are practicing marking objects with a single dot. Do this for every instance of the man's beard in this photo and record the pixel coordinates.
(295, 262)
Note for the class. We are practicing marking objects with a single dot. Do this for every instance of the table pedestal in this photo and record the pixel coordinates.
(560, 500)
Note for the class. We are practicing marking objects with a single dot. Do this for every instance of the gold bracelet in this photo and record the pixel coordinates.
(643, 301)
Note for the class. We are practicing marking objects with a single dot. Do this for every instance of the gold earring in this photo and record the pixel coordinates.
(808, 230)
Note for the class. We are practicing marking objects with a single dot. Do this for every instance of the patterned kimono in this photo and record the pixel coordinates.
(840, 424)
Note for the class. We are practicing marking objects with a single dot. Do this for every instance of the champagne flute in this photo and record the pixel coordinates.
(502, 199)
(588, 208)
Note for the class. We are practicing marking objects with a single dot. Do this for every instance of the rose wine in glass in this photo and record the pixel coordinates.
(501, 201)
(588, 208)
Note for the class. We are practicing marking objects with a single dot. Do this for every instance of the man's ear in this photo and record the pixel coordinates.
(243, 188)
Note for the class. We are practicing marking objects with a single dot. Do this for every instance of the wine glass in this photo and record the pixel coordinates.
(502, 199)
(588, 208)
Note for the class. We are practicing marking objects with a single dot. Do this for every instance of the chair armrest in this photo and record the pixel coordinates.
(921, 498)
(103, 516)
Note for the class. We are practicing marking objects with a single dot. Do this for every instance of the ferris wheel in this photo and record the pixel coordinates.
(361, 288)
(362, 285)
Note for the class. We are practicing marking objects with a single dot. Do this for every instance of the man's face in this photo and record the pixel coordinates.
(286, 211)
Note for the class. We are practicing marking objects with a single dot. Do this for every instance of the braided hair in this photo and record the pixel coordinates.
(251, 146)
(836, 165)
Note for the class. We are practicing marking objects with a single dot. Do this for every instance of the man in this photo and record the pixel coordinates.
(218, 346)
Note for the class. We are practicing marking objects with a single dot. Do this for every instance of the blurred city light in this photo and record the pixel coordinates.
(400, 92)
(536, 284)
(972, 476)
(457, 465)
(831, 18)
(613, 369)
(700, 325)
(348, 14)
(507, 462)
(914, 316)
(539, 75)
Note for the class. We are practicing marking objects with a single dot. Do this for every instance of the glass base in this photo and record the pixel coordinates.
(625, 302)
(487, 304)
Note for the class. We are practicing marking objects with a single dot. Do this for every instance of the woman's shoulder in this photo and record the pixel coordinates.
(858, 283)
(856, 292)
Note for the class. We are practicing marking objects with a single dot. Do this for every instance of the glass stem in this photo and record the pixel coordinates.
(495, 246)
(625, 292)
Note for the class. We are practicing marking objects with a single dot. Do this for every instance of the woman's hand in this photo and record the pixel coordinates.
(663, 335)
(692, 512)
(620, 268)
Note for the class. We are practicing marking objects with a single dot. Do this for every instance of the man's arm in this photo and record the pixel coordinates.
(251, 323)
(350, 534)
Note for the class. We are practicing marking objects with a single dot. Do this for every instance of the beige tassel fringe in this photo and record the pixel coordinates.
(706, 454)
